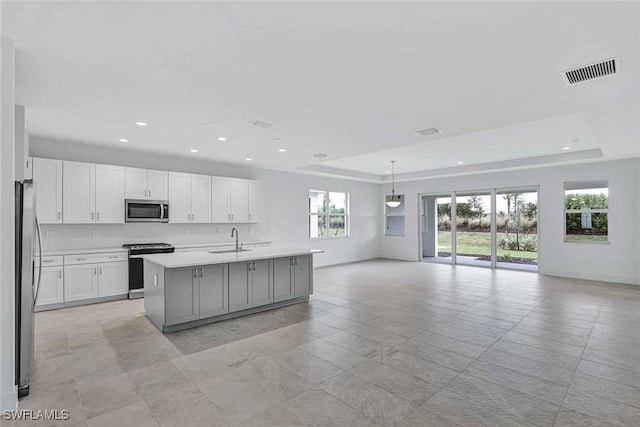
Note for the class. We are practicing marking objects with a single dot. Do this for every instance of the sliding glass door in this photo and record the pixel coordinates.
(489, 228)
(473, 228)
(517, 229)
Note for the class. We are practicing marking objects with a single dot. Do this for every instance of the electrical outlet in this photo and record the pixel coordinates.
(96, 233)
(48, 235)
(249, 230)
(186, 231)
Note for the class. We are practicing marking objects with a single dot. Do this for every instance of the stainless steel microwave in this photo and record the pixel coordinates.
(146, 210)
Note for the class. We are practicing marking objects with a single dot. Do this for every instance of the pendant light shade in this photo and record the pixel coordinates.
(395, 200)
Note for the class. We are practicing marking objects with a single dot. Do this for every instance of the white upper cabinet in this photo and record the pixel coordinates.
(255, 201)
(179, 197)
(239, 205)
(146, 184)
(79, 192)
(92, 193)
(109, 194)
(135, 183)
(47, 176)
(200, 198)
(157, 184)
(220, 198)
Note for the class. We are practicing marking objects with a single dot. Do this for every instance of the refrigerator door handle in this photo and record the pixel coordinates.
(37, 288)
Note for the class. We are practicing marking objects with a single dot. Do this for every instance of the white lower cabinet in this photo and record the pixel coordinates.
(80, 282)
(51, 290)
(113, 278)
(89, 276)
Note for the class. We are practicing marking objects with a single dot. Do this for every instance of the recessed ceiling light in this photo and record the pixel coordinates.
(222, 138)
(320, 156)
(277, 139)
(461, 163)
(282, 150)
(387, 171)
(124, 140)
(207, 124)
(193, 150)
(248, 159)
(141, 124)
(575, 140)
(490, 146)
(566, 148)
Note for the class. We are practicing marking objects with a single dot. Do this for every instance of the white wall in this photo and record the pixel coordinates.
(285, 207)
(616, 261)
(8, 392)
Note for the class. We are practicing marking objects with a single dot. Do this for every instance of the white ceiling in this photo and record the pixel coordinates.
(354, 80)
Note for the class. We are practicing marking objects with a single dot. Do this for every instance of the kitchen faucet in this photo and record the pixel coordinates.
(235, 231)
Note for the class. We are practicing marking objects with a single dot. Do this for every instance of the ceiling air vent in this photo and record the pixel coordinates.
(320, 156)
(593, 71)
(262, 124)
(430, 131)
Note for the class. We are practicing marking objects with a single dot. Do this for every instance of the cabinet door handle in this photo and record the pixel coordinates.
(98, 216)
(195, 272)
(95, 271)
(291, 260)
(248, 266)
(296, 260)
(101, 271)
(145, 193)
(80, 259)
(59, 274)
(201, 272)
(92, 216)
(47, 260)
(149, 193)
(59, 215)
(249, 217)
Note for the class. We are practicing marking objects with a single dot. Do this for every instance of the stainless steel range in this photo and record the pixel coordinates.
(136, 270)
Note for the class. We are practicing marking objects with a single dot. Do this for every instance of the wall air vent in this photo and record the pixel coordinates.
(320, 156)
(430, 131)
(593, 71)
(262, 124)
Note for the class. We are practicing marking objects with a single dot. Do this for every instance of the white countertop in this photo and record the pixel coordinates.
(193, 258)
(121, 249)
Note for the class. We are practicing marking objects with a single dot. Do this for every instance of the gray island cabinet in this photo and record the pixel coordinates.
(184, 290)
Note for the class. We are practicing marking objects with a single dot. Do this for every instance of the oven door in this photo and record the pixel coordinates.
(146, 211)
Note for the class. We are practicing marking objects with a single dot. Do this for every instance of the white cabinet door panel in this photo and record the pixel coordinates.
(239, 202)
(135, 183)
(109, 194)
(220, 212)
(51, 286)
(200, 198)
(113, 278)
(80, 282)
(179, 203)
(255, 201)
(47, 176)
(157, 184)
(78, 196)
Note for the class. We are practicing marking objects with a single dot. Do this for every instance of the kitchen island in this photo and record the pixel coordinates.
(187, 289)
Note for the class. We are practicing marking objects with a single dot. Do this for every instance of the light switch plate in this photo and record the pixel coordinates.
(96, 233)
(48, 235)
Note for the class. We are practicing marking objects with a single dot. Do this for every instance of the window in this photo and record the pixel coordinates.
(328, 214)
(586, 211)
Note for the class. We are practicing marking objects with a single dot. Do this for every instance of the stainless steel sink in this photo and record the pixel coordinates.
(227, 251)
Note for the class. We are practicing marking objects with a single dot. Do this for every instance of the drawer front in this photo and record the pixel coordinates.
(95, 258)
(50, 261)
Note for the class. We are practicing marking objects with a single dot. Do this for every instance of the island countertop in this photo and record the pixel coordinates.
(194, 258)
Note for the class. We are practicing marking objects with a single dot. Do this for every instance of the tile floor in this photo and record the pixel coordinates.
(381, 343)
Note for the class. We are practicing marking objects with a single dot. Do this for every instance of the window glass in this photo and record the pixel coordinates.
(586, 213)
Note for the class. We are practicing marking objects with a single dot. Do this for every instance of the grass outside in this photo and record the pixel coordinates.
(585, 238)
(478, 244)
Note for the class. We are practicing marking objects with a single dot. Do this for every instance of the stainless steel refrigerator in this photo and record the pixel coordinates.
(27, 284)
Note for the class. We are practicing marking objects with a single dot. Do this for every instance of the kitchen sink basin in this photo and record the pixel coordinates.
(227, 251)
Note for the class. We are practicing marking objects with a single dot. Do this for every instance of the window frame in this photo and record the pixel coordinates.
(327, 215)
(577, 186)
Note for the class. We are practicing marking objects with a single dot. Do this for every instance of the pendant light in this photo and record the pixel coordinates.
(395, 200)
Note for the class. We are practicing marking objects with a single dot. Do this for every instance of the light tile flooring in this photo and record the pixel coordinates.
(380, 343)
